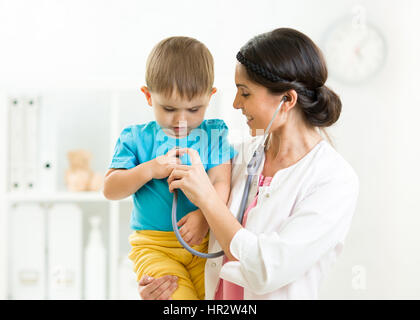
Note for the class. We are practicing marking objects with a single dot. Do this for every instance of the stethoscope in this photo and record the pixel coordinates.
(252, 168)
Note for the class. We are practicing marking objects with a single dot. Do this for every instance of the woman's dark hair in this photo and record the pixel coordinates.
(286, 59)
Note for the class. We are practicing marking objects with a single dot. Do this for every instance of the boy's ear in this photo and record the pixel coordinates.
(147, 94)
(213, 91)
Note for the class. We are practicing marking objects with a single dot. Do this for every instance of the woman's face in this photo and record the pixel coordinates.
(257, 103)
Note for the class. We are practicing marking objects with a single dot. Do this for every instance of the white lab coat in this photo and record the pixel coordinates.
(295, 232)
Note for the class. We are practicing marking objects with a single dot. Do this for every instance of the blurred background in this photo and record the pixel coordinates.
(73, 69)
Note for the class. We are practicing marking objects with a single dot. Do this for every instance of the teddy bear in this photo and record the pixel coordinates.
(79, 175)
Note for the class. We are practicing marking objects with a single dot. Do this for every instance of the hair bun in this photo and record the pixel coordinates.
(325, 110)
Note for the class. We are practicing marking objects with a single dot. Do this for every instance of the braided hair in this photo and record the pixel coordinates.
(286, 59)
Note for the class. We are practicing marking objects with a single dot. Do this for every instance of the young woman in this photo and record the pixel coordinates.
(303, 198)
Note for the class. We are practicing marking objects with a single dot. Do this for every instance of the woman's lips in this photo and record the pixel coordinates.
(249, 119)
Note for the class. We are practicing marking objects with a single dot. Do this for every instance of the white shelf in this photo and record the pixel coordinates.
(58, 197)
(9, 199)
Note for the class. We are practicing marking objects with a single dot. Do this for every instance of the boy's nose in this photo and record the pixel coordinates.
(180, 122)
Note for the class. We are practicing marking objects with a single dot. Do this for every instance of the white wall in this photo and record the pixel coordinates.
(104, 44)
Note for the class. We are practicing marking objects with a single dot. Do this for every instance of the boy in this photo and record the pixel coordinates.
(179, 79)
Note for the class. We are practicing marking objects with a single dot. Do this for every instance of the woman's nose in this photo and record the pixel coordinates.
(236, 104)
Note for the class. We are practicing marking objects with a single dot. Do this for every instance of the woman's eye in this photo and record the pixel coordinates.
(245, 94)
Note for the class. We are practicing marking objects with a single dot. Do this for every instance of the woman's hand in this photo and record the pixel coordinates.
(192, 180)
(157, 289)
(194, 227)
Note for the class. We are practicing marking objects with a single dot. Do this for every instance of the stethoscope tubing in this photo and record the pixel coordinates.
(252, 167)
(182, 241)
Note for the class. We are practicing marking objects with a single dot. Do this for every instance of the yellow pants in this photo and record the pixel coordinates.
(158, 253)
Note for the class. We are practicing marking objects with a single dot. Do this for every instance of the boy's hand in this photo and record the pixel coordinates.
(194, 227)
(162, 166)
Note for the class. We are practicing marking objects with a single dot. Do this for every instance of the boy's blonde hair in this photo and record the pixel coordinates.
(182, 64)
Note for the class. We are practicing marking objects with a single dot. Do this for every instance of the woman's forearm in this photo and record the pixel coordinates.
(123, 183)
(223, 190)
(221, 222)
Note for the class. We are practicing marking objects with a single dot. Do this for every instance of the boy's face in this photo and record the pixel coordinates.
(177, 116)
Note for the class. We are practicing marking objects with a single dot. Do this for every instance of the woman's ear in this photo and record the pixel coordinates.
(291, 100)
(147, 94)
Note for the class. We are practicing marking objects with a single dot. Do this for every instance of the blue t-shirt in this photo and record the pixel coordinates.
(141, 143)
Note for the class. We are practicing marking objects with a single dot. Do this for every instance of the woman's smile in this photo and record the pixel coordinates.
(249, 118)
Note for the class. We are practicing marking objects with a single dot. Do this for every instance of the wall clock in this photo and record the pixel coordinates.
(355, 50)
